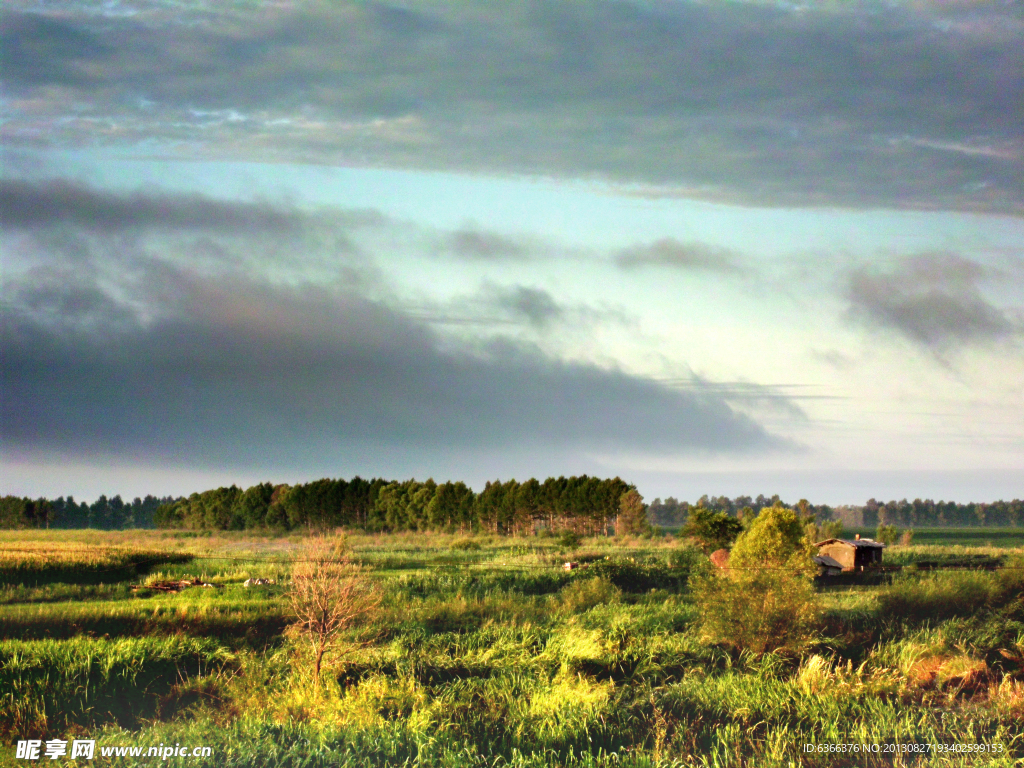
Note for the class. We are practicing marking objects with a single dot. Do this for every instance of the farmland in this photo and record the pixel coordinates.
(483, 650)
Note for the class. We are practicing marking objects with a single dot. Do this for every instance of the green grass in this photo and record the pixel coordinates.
(966, 537)
(49, 685)
(35, 566)
(60, 592)
(253, 619)
(486, 652)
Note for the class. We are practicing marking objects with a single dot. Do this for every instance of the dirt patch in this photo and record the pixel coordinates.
(176, 586)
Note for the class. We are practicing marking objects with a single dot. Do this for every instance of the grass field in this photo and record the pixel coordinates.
(484, 651)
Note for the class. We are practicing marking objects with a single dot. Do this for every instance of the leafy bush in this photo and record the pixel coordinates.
(687, 559)
(887, 534)
(777, 538)
(569, 541)
(710, 529)
(832, 529)
(465, 545)
(758, 611)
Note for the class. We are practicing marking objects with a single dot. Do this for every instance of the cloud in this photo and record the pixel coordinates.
(934, 299)
(479, 244)
(669, 252)
(749, 102)
(503, 308)
(33, 204)
(833, 358)
(537, 306)
(150, 352)
(761, 399)
(60, 228)
(248, 372)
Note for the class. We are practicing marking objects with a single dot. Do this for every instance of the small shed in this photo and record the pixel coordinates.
(852, 554)
(828, 566)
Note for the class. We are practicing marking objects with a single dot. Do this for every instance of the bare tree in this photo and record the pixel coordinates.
(329, 594)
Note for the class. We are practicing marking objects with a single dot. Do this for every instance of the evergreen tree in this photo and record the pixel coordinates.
(632, 519)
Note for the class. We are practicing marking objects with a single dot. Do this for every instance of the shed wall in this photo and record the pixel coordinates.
(843, 553)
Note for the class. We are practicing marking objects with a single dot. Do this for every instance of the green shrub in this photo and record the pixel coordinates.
(887, 534)
(777, 538)
(831, 529)
(759, 611)
(569, 541)
(688, 560)
(711, 529)
(465, 545)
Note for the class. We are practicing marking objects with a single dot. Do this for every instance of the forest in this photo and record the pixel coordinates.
(108, 514)
(920, 512)
(583, 504)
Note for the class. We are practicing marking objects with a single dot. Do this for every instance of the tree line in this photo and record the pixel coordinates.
(938, 513)
(109, 514)
(672, 512)
(582, 504)
(586, 505)
(921, 513)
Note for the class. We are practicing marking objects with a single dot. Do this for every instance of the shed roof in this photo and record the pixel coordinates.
(866, 543)
(828, 562)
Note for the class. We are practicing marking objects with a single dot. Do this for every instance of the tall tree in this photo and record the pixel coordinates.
(632, 517)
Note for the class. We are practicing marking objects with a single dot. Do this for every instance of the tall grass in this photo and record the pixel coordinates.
(239, 620)
(497, 657)
(33, 564)
(49, 685)
(944, 595)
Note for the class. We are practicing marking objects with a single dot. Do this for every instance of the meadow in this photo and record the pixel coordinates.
(484, 651)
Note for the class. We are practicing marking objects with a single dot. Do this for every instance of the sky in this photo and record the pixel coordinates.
(716, 247)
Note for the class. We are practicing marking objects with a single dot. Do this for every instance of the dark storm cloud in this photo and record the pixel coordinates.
(918, 105)
(669, 252)
(240, 371)
(41, 50)
(30, 204)
(155, 352)
(934, 299)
